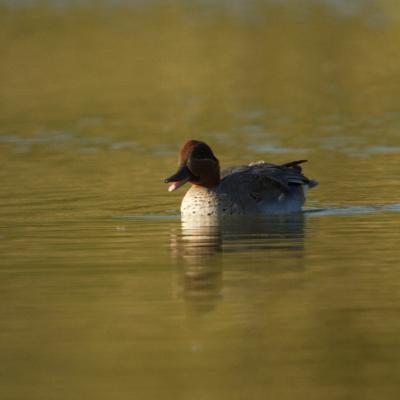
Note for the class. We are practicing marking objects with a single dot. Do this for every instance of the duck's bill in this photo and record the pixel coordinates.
(176, 185)
(182, 176)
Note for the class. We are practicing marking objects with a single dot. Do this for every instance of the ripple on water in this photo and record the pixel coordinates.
(66, 139)
(254, 220)
(352, 210)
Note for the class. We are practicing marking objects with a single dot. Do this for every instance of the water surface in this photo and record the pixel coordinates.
(104, 293)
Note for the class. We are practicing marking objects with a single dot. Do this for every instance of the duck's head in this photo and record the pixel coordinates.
(197, 165)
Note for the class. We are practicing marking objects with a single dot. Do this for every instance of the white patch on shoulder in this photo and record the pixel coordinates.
(256, 163)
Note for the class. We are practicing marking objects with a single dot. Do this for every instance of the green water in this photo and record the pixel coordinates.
(104, 294)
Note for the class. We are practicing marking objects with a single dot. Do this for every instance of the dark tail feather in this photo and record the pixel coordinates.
(293, 163)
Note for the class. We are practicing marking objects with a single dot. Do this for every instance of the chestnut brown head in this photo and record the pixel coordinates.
(197, 165)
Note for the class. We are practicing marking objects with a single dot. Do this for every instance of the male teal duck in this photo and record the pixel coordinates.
(259, 188)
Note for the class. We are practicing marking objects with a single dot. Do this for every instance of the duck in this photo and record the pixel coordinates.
(259, 188)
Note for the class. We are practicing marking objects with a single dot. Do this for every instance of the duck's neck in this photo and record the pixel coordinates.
(206, 188)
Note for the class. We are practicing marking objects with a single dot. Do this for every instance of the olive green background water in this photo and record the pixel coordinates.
(104, 294)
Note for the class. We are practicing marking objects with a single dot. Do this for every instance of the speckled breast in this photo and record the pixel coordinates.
(203, 202)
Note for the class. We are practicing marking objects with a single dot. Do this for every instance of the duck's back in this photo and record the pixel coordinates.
(257, 188)
(267, 188)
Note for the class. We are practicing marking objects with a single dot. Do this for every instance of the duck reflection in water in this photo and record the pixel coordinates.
(203, 248)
